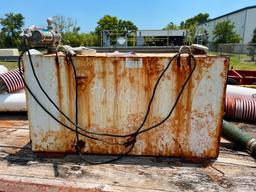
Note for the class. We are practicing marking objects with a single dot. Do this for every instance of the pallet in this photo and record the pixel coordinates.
(21, 170)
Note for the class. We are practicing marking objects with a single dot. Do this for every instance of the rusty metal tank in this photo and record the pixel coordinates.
(113, 96)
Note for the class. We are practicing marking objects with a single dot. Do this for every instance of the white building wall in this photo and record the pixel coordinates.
(211, 27)
(244, 21)
(250, 24)
(159, 33)
(239, 20)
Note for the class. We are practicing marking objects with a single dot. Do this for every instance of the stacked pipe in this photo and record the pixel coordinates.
(240, 103)
(3, 69)
(11, 81)
(12, 94)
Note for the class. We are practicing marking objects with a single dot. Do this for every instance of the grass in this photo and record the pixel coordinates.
(10, 65)
(239, 61)
(242, 62)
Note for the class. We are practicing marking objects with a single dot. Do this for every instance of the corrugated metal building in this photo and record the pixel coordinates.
(142, 38)
(161, 37)
(244, 20)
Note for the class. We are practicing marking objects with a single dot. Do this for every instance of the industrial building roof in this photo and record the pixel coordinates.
(250, 7)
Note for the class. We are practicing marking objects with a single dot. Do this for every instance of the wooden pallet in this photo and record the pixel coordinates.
(21, 170)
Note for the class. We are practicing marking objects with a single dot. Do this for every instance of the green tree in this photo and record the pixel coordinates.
(118, 27)
(191, 24)
(2, 40)
(224, 33)
(70, 32)
(171, 26)
(202, 36)
(252, 46)
(90, 39)
(205, 37)
(65, 24)
(254, 36)
(71, 38)
(78, 39)
(127, 28)
(11, 28)
(126, 25)
(191, 33)
(200, 18)
(107, 23)
(112, 23)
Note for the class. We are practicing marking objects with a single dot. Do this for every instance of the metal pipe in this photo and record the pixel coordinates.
(75, 50)
(240, 109)
(13, 102)
(3, 69)
(241, 92)
(235, 134)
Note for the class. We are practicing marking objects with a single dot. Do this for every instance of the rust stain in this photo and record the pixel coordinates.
(188, 100)
(56, 141)
(104, 79)
(131, 79)
(154, 66)
(70, 89)
(66, 90)
(59, 84)
(116, 65)
(86, 75)
(180, 113)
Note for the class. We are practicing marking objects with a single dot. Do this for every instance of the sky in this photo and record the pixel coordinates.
(145, 14)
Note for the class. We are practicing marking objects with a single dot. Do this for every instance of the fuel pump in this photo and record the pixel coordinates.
(48, 38)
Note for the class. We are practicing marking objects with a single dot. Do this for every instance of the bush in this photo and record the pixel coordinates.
(80, 39)
(224, 33)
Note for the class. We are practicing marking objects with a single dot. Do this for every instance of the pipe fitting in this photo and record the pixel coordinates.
(251, 146)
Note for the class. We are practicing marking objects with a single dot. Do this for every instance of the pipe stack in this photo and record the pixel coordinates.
(240, 103)
(12, 94)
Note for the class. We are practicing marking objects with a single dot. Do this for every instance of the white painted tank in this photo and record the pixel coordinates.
(113, 97)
